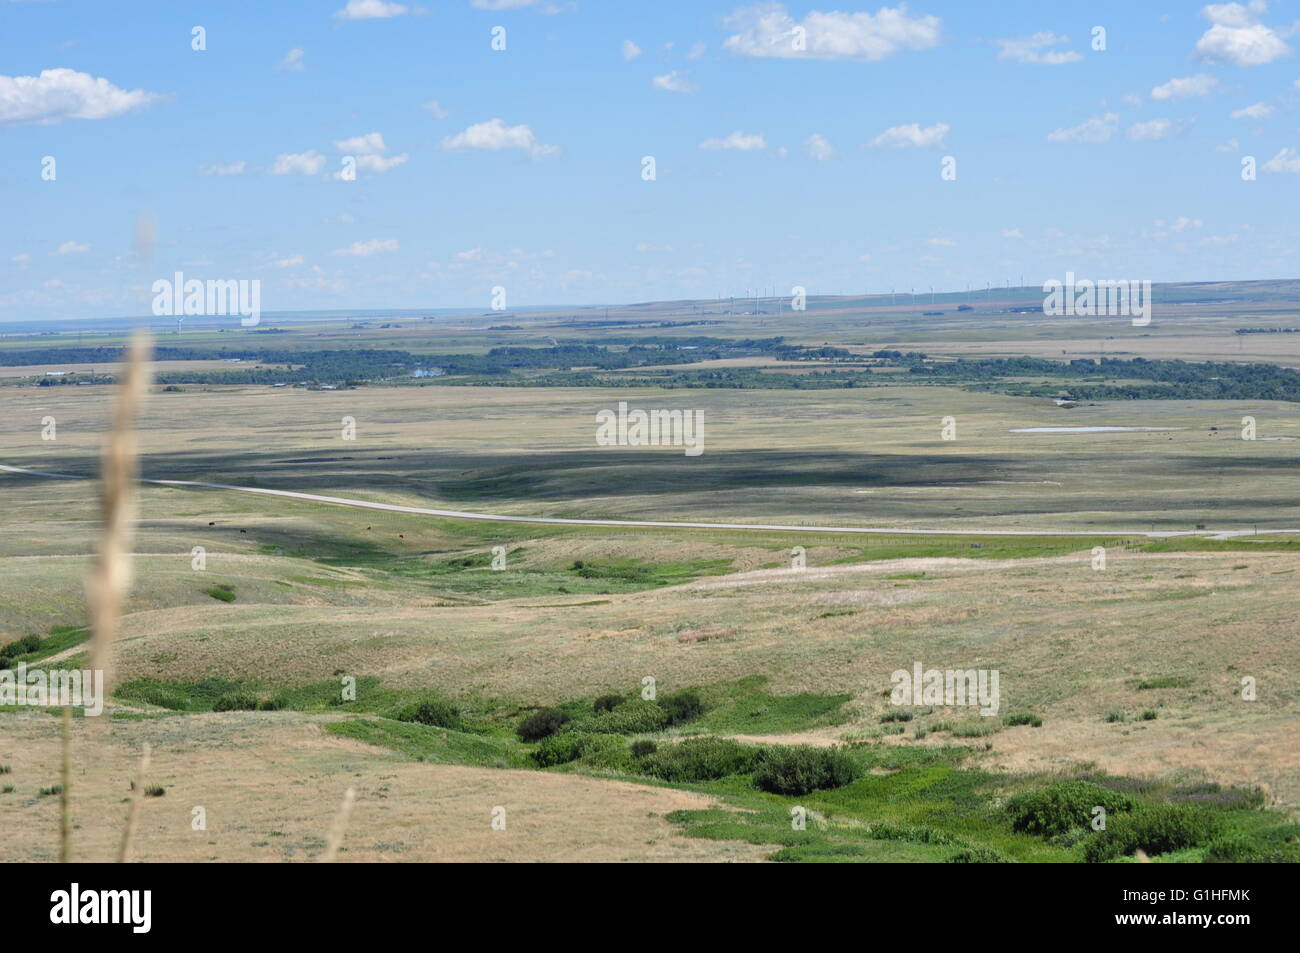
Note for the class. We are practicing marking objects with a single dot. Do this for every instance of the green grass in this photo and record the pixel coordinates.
(437, 745)
(746, 707)
(61, 637)
(1165, 681)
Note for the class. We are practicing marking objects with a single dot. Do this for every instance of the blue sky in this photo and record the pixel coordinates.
(522, 167)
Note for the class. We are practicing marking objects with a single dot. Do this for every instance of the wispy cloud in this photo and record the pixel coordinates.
(494, 135)
(741, 141)
(768, 30)
(912, 136)
(1036, 49)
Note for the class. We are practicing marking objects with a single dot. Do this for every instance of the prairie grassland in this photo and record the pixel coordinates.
(270, 784)
(869, 456)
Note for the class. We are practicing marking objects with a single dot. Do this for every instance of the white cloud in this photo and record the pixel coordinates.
(22, 259)
(1154, 130)
(1034, 49)
(1185, 86)
(303, 163)
(223, 168)
(1288, 160)
(495, 135)
(1238, 37)
(743, 141)
(673, 82)
(1012, 233)
(375, 246)
(819, 147)
(767, 30)
(372, 143)
(941, 242)
(370, 10)
(72, 248)
(290, 262)
(1232, 145)
(1096, 129)
(912, 136)
(1183, 222)
(292, 61)
(697, 51)
(59, 94)
(1257, 111)
(507, 5)
(380, 163)
(629, 51)
(435, 109)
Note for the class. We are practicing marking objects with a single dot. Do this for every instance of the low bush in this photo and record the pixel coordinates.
(701, 759)
(682, 706)
(607, 702)
(542, 723)
(1059, 807)
(431, 711)
(1155, 830)
(236, 701)
(643, 748)
(1023, 718)
(796, 770)
(630, 718)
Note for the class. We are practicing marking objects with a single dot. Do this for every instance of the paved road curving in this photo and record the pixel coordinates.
(665, 524)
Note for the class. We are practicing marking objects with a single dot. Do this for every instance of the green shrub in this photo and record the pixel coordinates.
(236, 701)
(560, 749)
(701, 759)
(1277, 846)
(631, 718)
(896, 715)
(222, 593)
(1150, 715)
(643, 748)
(1059, 807)
(155, 790)
(431, 711)
(269, 704)
(1023, 718)
(607, 702)
(682, 706)
(541, 723)
(28, 643)
(1155, 830)
(800, 769)
(1165, 681)
(606, 751)
(1115, 716)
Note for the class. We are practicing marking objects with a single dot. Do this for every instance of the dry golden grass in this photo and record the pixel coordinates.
(271, 784)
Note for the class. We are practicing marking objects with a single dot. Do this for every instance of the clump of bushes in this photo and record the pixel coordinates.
(222, 593)
(155, 790)
(1023, 718)
(607, 702)
(682, 706)
(1155, 830)
(542, 723)
(431, 711)
(631, 718)
(800, 769)
(1062, 807)
(643, 748)
(598, 751)
(236, 701)
(896, 715)
(10, 651)
(701, 759)
(1150, 715)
